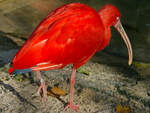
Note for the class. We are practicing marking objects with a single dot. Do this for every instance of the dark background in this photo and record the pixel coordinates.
(20, 17)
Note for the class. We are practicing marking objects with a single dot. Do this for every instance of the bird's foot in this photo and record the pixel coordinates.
(43, 89)
(72, 106)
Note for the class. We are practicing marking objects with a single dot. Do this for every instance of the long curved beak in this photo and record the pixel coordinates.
(121, 30)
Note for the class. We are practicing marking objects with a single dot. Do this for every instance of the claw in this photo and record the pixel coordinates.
(72, 106)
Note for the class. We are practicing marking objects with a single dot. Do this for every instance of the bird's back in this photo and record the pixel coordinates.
(69, 34)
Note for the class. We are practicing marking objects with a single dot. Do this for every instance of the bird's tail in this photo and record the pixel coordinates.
(13, 71)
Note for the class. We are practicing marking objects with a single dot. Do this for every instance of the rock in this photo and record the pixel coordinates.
(22, 17)
(6, 56)
(1, 110)
(108, 85)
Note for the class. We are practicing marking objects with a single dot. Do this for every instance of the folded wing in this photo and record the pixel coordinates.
(69, 34)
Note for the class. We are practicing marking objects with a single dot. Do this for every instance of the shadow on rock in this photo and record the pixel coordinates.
(6, 43)
(117, 62)
(14, 92)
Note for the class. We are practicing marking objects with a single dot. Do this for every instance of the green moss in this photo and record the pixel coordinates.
(141, 65)
(83, 71)
(143, 69)
(20, 77)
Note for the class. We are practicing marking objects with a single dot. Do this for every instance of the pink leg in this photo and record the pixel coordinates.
(42, 86)
(72, 82)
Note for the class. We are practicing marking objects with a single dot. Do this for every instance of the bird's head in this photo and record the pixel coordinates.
(110, 16)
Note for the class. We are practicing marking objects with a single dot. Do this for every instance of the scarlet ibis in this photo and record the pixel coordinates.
(70, 34)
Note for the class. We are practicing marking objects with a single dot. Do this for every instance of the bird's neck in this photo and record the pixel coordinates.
(107, 36)
(106, 39)
(107, 25)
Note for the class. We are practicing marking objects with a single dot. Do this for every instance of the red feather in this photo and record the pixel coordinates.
(69, 35)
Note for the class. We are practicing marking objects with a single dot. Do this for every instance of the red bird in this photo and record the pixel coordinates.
(70, 34)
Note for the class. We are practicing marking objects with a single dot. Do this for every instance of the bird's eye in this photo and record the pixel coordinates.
(117, 18)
